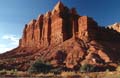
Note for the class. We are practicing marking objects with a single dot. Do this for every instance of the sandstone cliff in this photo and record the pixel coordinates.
(64, 38)
(57, 26)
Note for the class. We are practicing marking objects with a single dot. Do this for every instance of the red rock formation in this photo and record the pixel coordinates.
(57, 26)
(63, 38)
(87, 28)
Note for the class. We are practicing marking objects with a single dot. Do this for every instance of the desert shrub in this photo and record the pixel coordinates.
(56, 70)
(13, 71)
(40, 67)
(87, 68)
(3, 72)
(107, 70)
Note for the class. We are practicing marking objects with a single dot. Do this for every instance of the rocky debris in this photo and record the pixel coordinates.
(64, 38)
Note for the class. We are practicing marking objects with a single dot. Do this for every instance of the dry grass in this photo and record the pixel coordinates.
(42, 75)
(65, 74)
(106, 74)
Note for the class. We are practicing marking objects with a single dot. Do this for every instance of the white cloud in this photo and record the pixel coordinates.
(2, 45)
(5, 48)
(10, 42)
(14, 40)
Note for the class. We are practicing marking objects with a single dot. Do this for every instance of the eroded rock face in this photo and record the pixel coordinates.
(64, 38)
(32, 33)
(87, 28)
(57, 26)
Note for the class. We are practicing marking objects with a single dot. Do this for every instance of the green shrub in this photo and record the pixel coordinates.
(56, 70)
(40, 67)
(87, 68)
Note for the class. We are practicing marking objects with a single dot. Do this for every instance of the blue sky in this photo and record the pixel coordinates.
(14, 14)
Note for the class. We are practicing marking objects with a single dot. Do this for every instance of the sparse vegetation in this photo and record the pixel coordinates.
(107, 74)
(56, 70)
(13, 72)
(3, 72)
(87, 68)
(40, 67)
